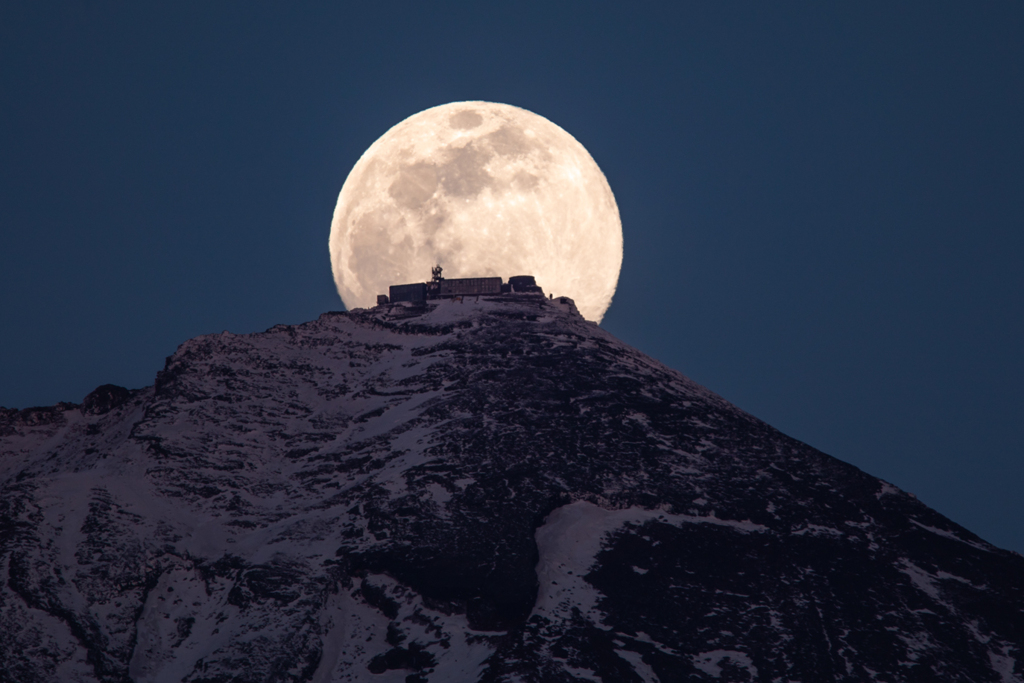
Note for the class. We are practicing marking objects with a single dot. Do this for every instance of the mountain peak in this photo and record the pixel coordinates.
(487, 489)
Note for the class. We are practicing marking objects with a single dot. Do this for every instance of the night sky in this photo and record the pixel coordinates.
(822, 203)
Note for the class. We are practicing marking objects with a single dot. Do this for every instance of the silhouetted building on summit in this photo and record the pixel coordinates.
(470, 286)
(413, 292)
(448, 288)
(522, 284)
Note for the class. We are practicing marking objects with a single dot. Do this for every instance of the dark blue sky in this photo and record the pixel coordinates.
(823, 203)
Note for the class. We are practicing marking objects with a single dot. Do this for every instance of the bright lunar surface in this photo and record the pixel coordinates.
(484, 190)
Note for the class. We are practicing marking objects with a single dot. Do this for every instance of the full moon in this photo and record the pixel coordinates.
(484, 190)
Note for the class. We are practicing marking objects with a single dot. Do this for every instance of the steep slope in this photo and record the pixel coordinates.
(492, 490)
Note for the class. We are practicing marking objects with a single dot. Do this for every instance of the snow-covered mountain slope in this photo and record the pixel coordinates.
(477, 490)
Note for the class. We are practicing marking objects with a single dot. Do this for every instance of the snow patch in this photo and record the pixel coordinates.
(921, 579)
(357, 632)
(999, 656)
(1004, 665)
(642, 668)
(712, 662)
(926, 582)
(818, 530)
(571, 538)
(887, 490)
(951, 536)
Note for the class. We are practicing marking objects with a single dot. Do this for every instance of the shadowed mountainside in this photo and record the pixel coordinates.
(475, 490)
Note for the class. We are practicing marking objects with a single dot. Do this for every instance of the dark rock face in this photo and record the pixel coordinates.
(104, 398)
(486, 490)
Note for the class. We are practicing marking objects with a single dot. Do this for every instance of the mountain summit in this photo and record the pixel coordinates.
(486, 489)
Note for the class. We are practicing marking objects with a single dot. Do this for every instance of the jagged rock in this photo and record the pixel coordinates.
(490, 489)
(104, 398)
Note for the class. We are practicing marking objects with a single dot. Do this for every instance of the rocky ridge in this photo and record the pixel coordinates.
(489, 489)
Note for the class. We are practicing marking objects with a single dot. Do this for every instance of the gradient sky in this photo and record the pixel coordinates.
(823, 203)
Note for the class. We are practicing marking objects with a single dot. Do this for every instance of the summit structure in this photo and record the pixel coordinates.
(491, 489)
(448, 288)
